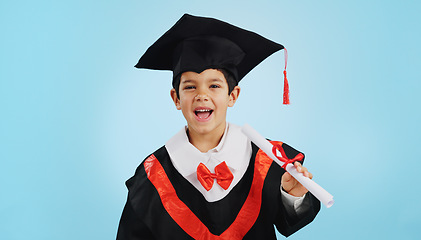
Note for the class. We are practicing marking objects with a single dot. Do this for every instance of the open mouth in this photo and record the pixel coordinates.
(203, 113)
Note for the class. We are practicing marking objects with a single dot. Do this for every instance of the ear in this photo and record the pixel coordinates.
(175, 99)
(234, 96)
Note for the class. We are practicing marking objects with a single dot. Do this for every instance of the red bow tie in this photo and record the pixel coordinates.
(222, 174)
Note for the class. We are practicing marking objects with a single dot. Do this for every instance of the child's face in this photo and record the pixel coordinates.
(204, 100)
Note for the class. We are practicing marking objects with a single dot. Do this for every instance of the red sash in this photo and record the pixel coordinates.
(189, 222)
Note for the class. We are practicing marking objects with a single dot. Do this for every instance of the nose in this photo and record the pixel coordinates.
(202, 96)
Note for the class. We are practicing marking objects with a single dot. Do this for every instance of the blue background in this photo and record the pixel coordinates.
(77, 117)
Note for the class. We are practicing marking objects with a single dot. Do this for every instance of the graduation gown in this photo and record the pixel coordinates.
(162, 204)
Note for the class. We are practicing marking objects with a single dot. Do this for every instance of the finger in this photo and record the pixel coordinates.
(307, 174)
(288, 182)
(286, 177)
(298, 166)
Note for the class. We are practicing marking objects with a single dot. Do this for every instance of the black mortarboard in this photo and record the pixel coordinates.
(199, 43)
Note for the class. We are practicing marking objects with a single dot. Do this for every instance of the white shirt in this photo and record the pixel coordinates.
(234, 148)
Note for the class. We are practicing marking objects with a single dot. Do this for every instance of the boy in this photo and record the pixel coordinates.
(209, 181)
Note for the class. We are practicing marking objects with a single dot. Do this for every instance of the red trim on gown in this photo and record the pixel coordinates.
(189, 222)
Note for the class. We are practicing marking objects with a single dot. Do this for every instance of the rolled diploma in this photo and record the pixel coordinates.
(321, 194)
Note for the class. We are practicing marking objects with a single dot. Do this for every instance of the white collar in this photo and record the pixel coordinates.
(234, 148)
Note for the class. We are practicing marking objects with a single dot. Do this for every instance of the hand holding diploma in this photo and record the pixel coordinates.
(291, 185)
(297, 171)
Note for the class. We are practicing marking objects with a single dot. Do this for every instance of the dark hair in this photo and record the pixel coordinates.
(228, 76)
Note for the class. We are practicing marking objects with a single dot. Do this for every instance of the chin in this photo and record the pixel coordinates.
(207, 127)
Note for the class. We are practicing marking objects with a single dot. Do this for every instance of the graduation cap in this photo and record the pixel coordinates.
(200, 43)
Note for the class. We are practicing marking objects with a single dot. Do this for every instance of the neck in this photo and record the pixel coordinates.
(205, 142)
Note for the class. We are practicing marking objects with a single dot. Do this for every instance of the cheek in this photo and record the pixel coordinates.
(224, 102)
(184, 103)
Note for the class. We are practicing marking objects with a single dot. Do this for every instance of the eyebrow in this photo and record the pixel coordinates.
(188, 81)
(216, 80)
(194, 81)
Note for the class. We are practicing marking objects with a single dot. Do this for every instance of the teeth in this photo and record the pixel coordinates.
(203, 110)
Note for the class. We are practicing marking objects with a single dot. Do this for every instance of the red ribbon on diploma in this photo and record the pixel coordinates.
(284, 158)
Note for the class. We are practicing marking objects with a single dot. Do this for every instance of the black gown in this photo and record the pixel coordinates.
(162, 204)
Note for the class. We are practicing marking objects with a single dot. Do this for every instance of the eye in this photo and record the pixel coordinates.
(189, 87)
(215, 86)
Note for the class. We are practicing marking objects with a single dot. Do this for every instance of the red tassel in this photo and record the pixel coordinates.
(286, 86)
